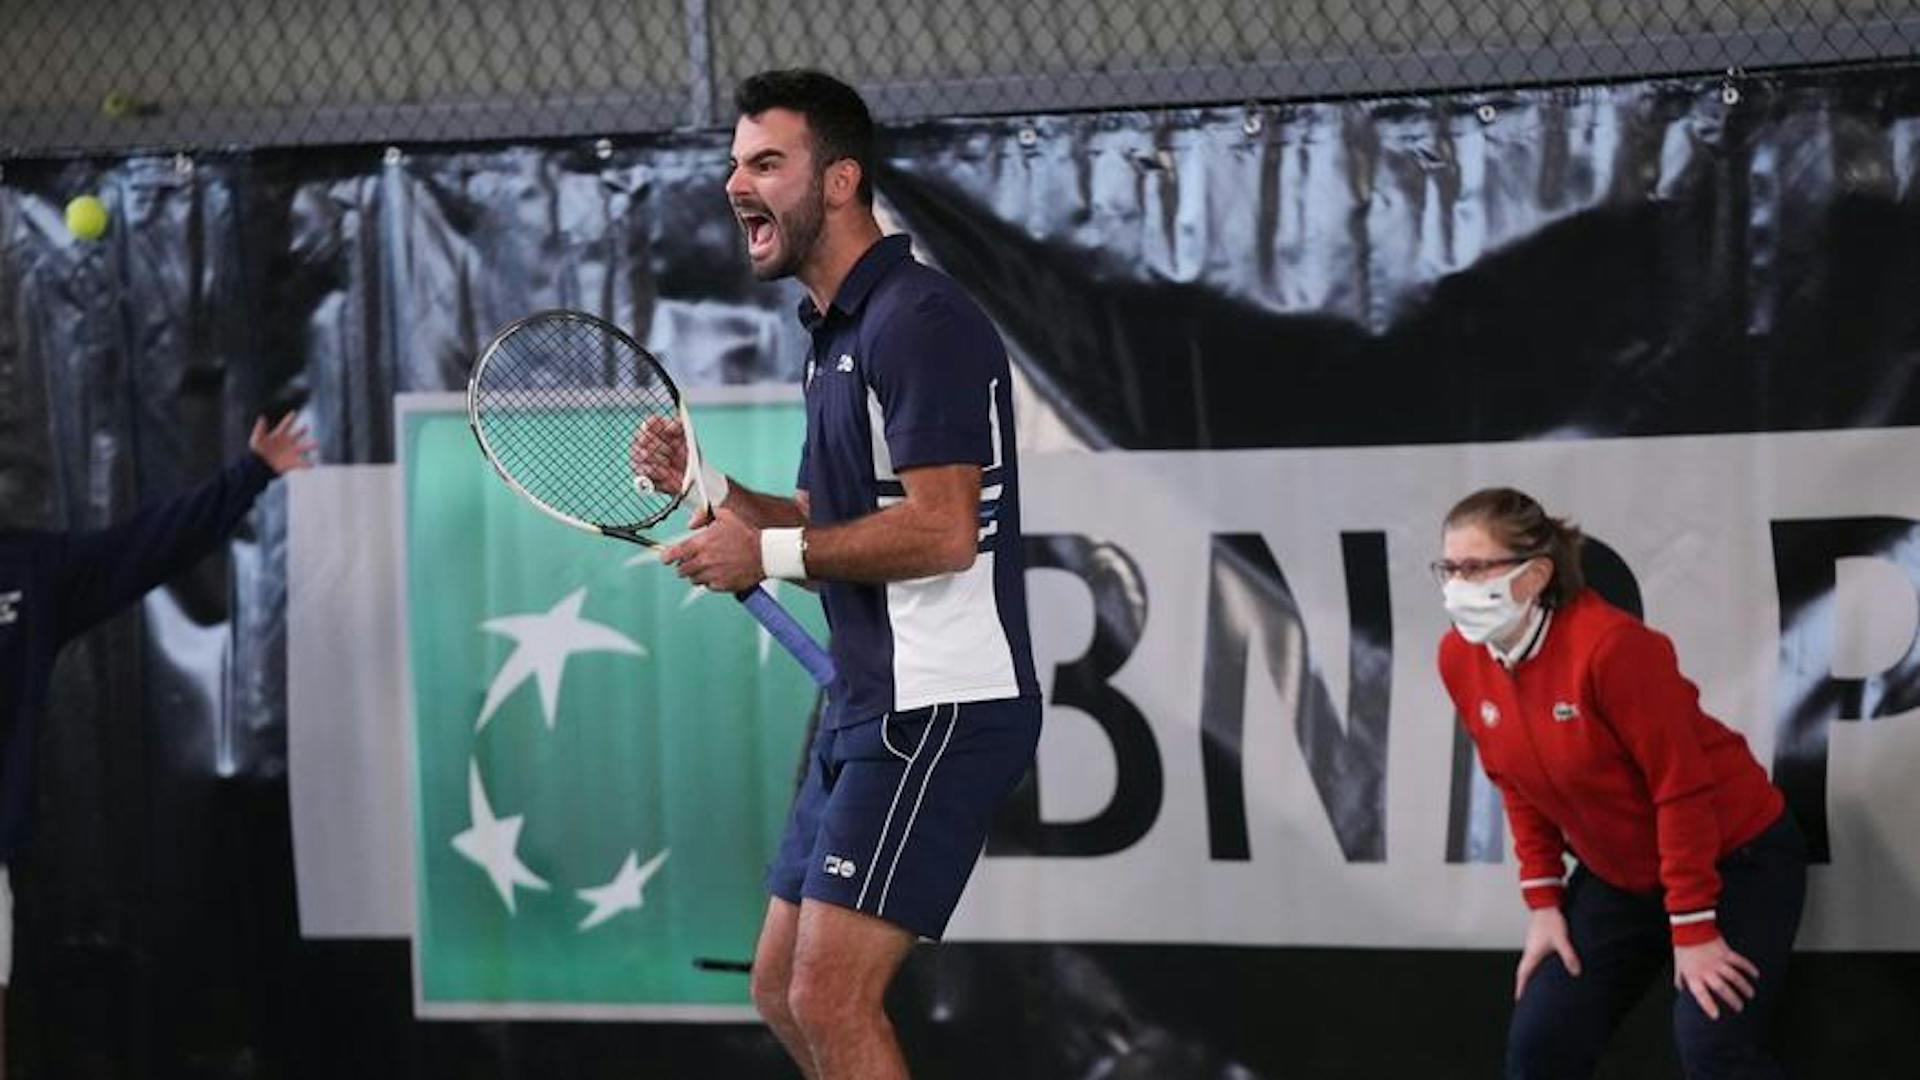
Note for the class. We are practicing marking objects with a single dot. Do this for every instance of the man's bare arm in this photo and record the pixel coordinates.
(934, 530)
(763, 511)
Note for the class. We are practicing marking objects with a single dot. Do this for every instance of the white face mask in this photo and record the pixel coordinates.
(1484, 610)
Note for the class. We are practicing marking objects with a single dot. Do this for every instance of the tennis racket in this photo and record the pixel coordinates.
(559, 402)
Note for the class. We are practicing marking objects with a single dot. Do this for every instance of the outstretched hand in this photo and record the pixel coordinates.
(284, 446)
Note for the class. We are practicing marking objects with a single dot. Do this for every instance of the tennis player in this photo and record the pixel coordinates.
(907, 514)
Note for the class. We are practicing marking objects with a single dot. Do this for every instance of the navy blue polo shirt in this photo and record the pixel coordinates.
(54, 586)
(904, 370)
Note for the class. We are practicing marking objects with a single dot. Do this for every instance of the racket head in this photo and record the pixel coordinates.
(555, 401)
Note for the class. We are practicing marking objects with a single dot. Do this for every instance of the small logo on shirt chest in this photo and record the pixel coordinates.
(1564, 711)
(10, 607)
(844, 366)
(1489, 714)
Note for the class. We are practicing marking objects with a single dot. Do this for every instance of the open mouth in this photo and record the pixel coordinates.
(759, 230)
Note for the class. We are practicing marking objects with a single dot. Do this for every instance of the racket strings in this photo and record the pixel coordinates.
(560, 402)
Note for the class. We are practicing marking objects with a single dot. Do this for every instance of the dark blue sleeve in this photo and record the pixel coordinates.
(98, 573)
(933, 365)
(802, 482)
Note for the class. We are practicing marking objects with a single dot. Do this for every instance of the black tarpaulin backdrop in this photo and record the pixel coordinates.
(1631, 260)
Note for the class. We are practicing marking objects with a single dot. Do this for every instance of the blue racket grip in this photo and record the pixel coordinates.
(789, 633)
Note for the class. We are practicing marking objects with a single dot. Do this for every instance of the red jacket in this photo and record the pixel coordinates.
(1598, 744)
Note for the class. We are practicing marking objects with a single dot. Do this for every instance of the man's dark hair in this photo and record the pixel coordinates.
(837, 118)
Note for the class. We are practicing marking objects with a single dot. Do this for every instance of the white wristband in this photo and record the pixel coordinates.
(783, 554)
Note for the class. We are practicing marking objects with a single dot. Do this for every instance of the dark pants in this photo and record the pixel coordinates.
(1562, 1023)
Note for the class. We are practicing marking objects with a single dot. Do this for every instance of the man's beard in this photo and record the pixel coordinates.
(799, 233)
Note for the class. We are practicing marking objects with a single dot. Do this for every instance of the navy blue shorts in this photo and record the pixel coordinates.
(895, 810)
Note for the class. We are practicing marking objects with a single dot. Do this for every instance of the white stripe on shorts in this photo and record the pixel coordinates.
(860, 901)
(925, 782)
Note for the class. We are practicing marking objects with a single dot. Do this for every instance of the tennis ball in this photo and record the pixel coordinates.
(87, 217)
(117, 105)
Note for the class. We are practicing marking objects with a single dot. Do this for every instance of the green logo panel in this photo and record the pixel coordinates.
(603, 755)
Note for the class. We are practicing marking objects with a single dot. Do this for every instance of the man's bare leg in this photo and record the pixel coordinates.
(772, 975)
(842, 964)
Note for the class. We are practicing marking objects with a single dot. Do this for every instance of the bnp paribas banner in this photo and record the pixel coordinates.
(603, 756)
(1245, 741)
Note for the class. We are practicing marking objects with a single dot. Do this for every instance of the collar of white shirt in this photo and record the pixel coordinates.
(1531, 641)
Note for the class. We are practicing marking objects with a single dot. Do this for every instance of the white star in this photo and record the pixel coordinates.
(491, 842)
(620, 894)
(697, 593)
(545, 642)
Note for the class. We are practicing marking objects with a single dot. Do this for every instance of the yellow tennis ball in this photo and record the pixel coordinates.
(87, 217)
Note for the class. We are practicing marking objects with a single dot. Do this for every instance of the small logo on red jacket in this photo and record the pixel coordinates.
(1565, 710)
(1489, 713)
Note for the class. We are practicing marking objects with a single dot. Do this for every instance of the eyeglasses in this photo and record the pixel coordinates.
(1445, 570)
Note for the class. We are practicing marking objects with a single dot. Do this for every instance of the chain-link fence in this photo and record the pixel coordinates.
(80, 75)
